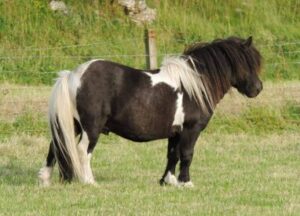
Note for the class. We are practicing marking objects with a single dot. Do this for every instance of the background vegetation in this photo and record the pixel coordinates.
(35, 42)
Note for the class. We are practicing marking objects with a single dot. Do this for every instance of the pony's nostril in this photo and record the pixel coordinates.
(259, 86)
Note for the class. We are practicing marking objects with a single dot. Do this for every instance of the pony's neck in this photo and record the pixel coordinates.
(218, 86)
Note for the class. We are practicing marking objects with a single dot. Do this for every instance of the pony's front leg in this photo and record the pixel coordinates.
(173, 157)
(188, 138)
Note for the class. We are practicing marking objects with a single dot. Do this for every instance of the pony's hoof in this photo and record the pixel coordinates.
(93, 183)
(169, 179)
(188, 184)
(89, 181)
(44, 176)
(162, 182)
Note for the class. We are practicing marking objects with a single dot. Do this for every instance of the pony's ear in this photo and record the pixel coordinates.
(248, 42)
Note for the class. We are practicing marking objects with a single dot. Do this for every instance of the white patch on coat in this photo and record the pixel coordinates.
(170, 179)
(178, 74)
(74, 79)
(188, 184)
(45, 175)
(179, 114)
(89, 172)
(85, 159)
(162, 77)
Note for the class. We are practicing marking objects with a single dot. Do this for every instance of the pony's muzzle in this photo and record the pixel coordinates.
(255, 90)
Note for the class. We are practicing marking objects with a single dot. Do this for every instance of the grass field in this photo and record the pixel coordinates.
(246, 162)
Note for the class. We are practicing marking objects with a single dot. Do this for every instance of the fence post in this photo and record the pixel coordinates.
(150, 45)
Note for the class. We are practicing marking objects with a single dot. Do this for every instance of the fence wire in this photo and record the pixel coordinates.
(106, 42)
(17, 101)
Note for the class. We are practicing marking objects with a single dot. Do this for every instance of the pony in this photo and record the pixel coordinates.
(174, 102)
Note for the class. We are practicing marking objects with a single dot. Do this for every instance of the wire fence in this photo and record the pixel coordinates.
(17, 101)
(106, 42)
(101, 43)
(4, 71)
(26, 71)
(91, 57)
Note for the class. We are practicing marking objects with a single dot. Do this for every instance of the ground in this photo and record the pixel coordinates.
(246, 162)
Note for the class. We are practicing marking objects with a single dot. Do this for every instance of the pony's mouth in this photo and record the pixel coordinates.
(253, 93)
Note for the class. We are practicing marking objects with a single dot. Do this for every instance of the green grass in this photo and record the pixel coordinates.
(259, 120)
(234, 174)
(246, 163)
(35, 42)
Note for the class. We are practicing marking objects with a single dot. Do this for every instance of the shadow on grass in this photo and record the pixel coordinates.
(19, 175)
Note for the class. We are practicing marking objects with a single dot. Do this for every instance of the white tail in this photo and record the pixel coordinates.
(61, 118)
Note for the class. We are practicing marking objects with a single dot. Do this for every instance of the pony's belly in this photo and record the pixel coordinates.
(139, 132)
(148, 113)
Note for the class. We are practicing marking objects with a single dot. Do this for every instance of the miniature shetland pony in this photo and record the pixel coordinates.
(174, 102)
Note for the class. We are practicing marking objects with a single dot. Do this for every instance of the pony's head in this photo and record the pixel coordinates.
(245, 77)
(225, 63)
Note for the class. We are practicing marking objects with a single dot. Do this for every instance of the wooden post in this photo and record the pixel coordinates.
(150, 44)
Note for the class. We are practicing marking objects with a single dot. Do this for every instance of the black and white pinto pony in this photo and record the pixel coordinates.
(174, 102)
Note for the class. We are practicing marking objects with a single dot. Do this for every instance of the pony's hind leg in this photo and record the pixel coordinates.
(85, 157)
(46, 171)
(90, 134)
(172, 157)
(92, 120)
